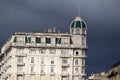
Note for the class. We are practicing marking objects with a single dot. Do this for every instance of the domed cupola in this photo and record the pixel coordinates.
(77, 25)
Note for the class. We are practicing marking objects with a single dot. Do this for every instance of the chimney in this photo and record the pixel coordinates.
(49, 30)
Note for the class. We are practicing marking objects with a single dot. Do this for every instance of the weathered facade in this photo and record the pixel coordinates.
(114, 72)
(45, 56)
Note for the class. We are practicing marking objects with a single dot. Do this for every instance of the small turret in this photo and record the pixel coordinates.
(78, 26)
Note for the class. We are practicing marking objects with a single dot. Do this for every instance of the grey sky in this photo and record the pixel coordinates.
(101, 16)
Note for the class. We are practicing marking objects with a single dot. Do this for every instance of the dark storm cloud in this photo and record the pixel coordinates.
(101, 16)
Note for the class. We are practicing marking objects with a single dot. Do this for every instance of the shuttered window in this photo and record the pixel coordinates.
(15, 40)
(58, 40)
(48, 40)
(27, 39)
(38, 40)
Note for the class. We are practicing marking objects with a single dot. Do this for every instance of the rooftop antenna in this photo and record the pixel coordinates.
(78, 7)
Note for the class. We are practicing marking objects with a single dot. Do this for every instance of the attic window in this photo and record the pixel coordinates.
(58, 40)
(48, 40)
(71, 42)
(15, 40)
(28, 39)
(38, 40)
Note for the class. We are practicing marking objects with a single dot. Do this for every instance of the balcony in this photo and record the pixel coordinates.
(76, 73)
(42, 73)
(65, 55)
(21, 55)
(83, 74)
(64, 73)
(80, 56)
(20, 73)
(65, 64)
(20, 63)
(52, 73)
(32, 73)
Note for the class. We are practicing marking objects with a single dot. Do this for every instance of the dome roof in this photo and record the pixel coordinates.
(78, 23)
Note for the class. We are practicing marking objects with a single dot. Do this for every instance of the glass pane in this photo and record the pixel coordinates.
(15, 40)
(48, 40)
(28, 39)
(38, 40)
(83, 25)
(58, 40)
(78, 24)
(71, 42)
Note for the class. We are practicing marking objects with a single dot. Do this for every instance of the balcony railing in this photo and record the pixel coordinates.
(83, 74)
(32, 73)
(20, 73)
(64, 73)
(42, 73)
(65, 64)
(76, 73)
(21, 63)
(22, 55)
(80, 56)
(65, 55)
(52, 73)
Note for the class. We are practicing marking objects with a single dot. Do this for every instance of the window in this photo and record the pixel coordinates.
(38, 40)
(76, 52)
(15, 39)
(52, 51)
(48, 40)
(65, 41)
(32, 69)
(64, 51)
(42, 77)
(78, 31)
(76, 69)
(42, 69)
(19, 68)
(42, 51)
(19, 59)
(58, 40)
(83, 25)
(32, 77)
(64, 61)
(32, 59)
(52, 61)
(52, 69)
(19, 77)
(42, 60)
(76, 62)
(64, 78)
(71, 42)
(27, 39)
(19, 50)
(52, 78)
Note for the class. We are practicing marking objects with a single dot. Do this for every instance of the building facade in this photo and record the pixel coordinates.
(98, 76)
(45, 56)
(114, 72)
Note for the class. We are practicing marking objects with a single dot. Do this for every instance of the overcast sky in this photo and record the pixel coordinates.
(102, 18)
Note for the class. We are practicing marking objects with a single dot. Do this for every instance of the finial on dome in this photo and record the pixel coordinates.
(78, 18)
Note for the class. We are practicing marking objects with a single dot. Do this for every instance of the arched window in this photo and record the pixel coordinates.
(77, 31)
(76, 53)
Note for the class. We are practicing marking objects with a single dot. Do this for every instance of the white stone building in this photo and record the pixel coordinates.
(45, 56)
